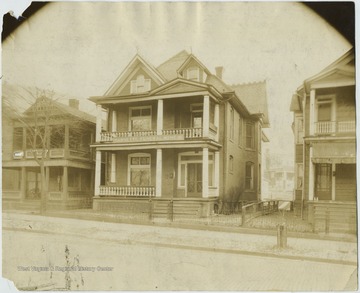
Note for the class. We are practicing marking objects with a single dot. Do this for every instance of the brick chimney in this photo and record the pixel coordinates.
(74, 103)
(219, 71)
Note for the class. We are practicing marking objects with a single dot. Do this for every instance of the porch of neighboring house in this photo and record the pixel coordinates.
(68, 187)
(129, 179)
(333, 205)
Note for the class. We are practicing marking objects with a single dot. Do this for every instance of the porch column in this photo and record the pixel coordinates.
(23, 183)
(333, 183)
(97, 173)
(205, 173)
(206, 116)
(311, 175)
(158, 172)
(66, 140)
(113, 122)
(312, 112)
(160, 117)
(98, 122)
(217, 171)
(216, 120)
(65, 183)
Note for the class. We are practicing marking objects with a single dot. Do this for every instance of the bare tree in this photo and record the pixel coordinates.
(41, 122)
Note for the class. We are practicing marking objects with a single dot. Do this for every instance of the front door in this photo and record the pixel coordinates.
(194, 180)
(323, 181)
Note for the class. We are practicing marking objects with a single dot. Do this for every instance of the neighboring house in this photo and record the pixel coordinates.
(325, 153)
(281, 183)
(178, 132)
(66, 154)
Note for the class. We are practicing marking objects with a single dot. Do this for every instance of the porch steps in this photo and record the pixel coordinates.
(179, 208)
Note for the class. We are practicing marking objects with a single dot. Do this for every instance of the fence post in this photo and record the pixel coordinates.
(243, 216)
(281, 236)
(327, 221)
(151, 210)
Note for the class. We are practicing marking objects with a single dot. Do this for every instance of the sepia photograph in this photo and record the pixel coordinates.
(179, 146)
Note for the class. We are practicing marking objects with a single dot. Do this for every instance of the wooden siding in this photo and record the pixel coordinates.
(345, 182)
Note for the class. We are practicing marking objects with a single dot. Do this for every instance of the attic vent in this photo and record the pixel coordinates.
(140, 85)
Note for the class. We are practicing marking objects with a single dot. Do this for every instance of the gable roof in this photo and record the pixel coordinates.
(169, 68)
(65, 109)
(341, 69)
(133, 64)
(253, 95)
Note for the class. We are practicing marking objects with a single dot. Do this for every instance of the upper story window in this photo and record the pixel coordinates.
(232, 123)
(193, 73)
(140, 85)
(325, 114)
(140, 118)
(196, 115)
(250, 135)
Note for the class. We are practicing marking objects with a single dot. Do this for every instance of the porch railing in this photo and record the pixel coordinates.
(330, 127)
(151, 135)
(142, 191)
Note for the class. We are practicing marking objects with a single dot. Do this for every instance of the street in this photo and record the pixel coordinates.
(109, 265)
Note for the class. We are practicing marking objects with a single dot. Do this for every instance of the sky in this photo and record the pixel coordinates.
(79, 49)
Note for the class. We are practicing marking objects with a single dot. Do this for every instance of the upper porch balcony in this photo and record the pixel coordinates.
(162, 120)
(335, 127)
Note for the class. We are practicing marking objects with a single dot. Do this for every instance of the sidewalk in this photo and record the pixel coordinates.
(228, 242)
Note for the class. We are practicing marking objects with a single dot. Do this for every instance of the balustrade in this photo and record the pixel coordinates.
(141, 191)
(331, 127)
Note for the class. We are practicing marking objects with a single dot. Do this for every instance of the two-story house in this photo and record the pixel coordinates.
(325, 153)
(177, 132)
(57, 136)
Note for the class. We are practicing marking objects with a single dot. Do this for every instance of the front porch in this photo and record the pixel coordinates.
(66, 187)
(156, 174)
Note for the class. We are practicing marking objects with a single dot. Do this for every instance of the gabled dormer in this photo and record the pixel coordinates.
(192, 69)
(138, 77)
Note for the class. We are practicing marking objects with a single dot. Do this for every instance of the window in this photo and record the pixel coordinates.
(250, 135)
(249, 176)
(231, 164)
(325, 114)
(140, 118)
(139, 170)
(232, 123)
(196, 115)
(299, 176)
(193, 73)
(113, 168)
(240, 132)
(299, 130)
(140, 85)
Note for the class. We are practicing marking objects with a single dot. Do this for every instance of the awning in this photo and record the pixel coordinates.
(334, 152)
(335, 160)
